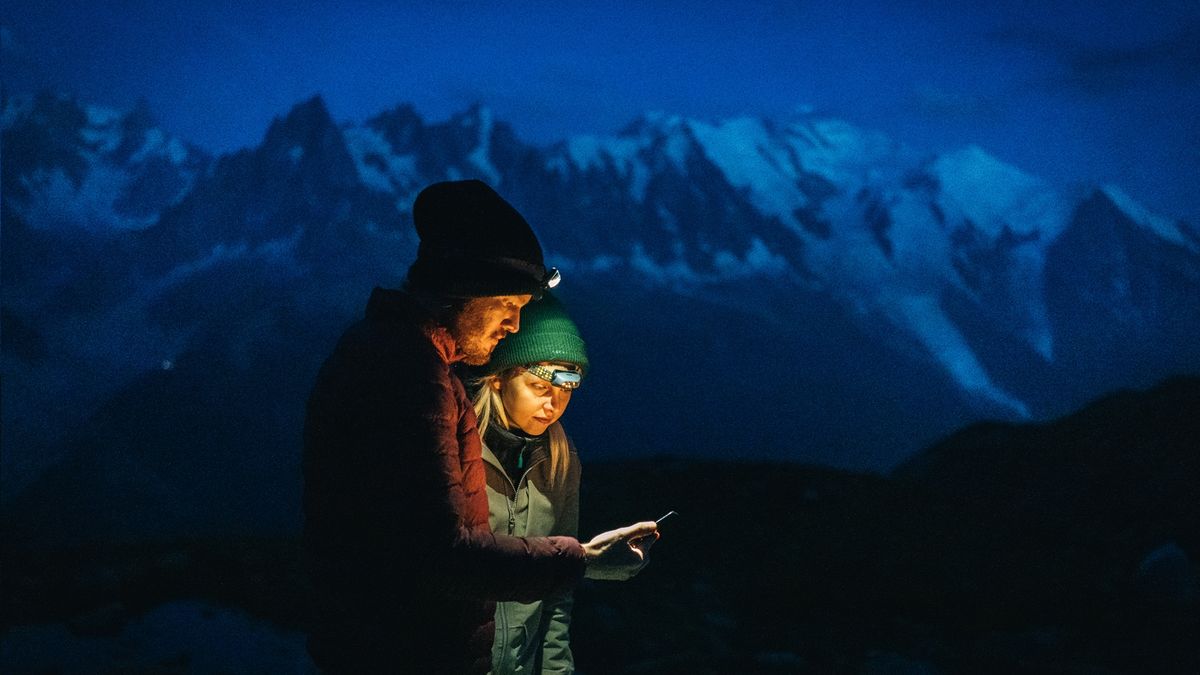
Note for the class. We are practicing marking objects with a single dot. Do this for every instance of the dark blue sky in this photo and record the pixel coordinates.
(1077, 93)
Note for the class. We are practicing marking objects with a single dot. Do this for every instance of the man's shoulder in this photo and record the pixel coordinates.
(391, 319)
(387, 304)
(388, 341)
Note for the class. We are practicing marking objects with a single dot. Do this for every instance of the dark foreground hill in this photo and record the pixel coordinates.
(1069, 547)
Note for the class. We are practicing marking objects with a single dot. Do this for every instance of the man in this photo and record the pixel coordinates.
(404, 566)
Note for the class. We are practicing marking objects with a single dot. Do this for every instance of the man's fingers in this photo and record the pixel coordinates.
(638, 530)
(644, 543)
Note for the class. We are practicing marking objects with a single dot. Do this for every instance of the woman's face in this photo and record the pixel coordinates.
(531, 403)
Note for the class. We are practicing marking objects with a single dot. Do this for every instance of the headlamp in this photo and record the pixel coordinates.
(550, 280)
(558, 377)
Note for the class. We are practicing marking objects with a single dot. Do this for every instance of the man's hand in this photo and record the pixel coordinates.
(619, 554)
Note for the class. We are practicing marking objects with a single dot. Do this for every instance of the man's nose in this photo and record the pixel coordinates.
(513, 323)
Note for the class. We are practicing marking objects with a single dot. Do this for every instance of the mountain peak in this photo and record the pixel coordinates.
(404, 113)
(476, 115)
(1139, 214)
(465, 145)
(59, 115)
(994, 195)
(653, 124)
(400, 127)
(308, 137)
(304, 124)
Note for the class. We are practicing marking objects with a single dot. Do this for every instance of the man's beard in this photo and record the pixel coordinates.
(470, 334)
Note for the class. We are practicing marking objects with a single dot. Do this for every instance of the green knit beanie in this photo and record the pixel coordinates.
(547, 334)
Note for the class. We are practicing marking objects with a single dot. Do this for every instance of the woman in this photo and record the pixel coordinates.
(532, 471)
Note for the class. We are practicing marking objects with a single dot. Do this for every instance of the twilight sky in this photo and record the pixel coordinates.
(1074, 92)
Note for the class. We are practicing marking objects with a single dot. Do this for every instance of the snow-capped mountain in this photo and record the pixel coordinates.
(808, 290)
(69, 166)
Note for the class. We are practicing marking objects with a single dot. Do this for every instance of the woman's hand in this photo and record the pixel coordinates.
(619, 554)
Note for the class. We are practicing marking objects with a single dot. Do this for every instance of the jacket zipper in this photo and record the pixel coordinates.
(512, 501)
(512, 506)
(503, 631)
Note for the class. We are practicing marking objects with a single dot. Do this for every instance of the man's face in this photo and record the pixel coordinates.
(483, 322)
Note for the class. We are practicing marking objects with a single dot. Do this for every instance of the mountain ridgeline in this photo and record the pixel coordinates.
(802, 291)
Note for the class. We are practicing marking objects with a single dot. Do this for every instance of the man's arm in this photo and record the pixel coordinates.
(496, 565)
(385, 478)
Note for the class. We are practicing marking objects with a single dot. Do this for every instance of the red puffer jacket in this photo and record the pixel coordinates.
(405, 569)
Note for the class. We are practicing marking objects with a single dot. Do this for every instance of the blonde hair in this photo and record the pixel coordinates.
(489, 407)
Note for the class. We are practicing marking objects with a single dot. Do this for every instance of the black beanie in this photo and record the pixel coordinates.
(473, 244)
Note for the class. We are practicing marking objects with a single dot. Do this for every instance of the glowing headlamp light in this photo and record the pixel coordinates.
(558, 377)
(550, 280)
